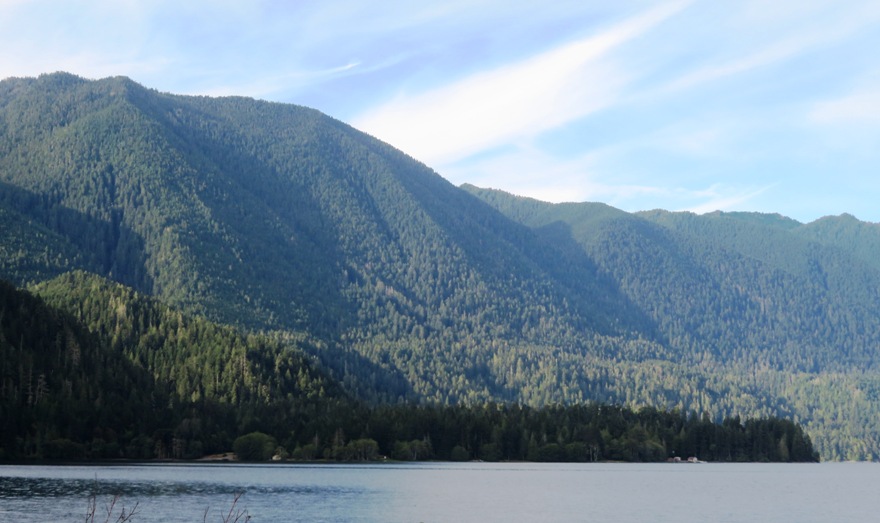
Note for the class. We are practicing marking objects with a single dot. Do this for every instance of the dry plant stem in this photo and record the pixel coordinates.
(123, 517)
(234, 516)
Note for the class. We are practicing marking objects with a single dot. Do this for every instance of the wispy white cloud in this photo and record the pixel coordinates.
(761, 58)
(510, 103)
(259, 48)
(862, 106)
(826, 26)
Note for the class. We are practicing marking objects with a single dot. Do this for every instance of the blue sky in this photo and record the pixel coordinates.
(770, 106)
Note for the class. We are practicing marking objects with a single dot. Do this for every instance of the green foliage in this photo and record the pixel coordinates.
(63, 392)
(275, 218)
(576, 433)
(255, 446)
(63, 449)
(103, 372)
(459, 453)
(106, 412)
(744, 314)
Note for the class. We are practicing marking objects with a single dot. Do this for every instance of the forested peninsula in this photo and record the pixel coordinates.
(218, 267)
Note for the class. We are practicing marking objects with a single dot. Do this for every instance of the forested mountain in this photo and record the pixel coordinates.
(768, 312)
(276, 218)
(752, 289)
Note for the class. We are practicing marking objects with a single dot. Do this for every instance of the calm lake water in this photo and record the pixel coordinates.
(680, 493)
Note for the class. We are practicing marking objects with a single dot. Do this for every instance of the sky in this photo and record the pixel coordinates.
(731, 105)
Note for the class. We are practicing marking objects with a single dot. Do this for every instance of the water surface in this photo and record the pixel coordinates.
(680, 493)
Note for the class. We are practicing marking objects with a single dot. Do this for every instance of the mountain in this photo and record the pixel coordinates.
(732, 287)
(763, 310)
(273, 216)
(276, 218)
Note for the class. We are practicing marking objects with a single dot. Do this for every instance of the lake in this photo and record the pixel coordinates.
(427, 492)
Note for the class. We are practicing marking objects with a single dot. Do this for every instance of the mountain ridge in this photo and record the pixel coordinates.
(275, 217)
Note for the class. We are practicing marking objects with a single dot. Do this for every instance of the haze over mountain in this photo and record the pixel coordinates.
(275, 217)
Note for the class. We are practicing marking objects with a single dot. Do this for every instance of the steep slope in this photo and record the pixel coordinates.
(275, 216)
(34, 252)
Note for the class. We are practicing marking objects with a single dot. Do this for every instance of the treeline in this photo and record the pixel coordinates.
(576, 433)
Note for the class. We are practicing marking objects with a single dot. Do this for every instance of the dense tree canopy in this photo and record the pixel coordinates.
(277, 219)
(100, 371)
(106, 373)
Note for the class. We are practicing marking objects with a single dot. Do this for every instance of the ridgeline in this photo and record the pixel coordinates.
(325, 252)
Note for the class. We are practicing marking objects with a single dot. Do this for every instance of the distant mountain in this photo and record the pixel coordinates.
(732, 287)
(277, 218)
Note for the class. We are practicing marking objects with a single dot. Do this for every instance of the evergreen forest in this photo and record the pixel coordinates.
(247, 267)
(93, 370)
